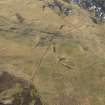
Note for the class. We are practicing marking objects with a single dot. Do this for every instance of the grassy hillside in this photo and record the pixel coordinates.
(67, 65)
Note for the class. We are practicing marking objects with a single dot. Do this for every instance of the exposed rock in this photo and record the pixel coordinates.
(13, 91)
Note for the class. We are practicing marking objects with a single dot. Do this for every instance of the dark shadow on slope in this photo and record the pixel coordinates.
(16, 91)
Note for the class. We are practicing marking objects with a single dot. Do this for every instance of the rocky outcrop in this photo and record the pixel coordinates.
(16, 91)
